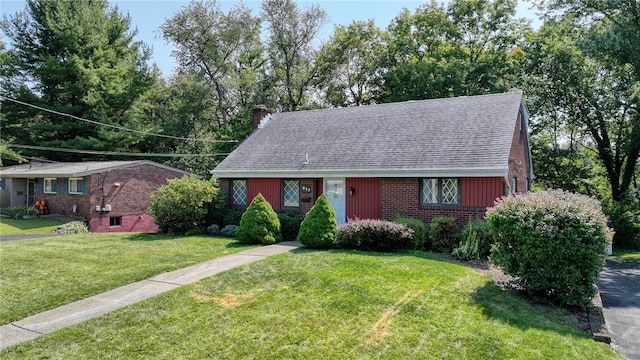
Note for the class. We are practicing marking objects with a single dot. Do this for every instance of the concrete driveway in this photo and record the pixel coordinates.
(619, 285)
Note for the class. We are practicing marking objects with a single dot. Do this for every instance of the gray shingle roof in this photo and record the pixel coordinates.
(71, 169)
(470, 135)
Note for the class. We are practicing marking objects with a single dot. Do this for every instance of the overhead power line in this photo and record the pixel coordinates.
(97, 152)
(113, 126)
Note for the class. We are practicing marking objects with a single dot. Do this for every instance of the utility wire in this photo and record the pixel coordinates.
(112, 126)
(96, 152)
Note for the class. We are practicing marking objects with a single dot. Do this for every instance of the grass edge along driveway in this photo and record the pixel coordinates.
(329, 304)
(41, 274)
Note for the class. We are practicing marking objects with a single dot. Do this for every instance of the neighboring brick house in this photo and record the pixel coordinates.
(424, 158)
(112, 196)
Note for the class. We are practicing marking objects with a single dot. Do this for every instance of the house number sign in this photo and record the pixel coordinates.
(305, 189)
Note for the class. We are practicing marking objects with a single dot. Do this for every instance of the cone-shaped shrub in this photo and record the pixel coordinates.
(259, 223)
(318, 229)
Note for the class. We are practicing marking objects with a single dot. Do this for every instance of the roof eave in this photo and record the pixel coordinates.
(373, 173)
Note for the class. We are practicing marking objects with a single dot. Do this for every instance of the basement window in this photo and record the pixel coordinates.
(115, 221)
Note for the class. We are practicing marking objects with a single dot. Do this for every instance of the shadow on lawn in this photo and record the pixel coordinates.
(514, 309)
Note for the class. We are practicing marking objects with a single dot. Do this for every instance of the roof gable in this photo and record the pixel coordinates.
(428, 136)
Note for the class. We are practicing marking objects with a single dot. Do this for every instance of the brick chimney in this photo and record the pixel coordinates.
(258, 113)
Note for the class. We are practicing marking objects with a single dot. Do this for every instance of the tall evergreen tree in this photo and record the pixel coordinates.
(77, 58)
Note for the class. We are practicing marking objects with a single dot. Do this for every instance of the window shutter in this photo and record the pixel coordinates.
(40, 185)
(84, 186)
(65, 185)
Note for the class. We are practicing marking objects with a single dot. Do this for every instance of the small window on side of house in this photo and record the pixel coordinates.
(75, 185)
(50, 185)
(514, 187)
(115, 221)
(291, 193)
(239, 192)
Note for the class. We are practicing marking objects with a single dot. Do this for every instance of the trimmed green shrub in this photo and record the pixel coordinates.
(183, 204)
(259, 223)
(213, 230)
(553, 243)
(376, 235)
(318, 229)
(19, 212)
(420, 231)
(443, 234)
(73, 227)
(229, 230)
(476, 241)
(289, 225)
(232, 217)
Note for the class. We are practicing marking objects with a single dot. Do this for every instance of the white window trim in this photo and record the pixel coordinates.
(50, 181)
(80, 180)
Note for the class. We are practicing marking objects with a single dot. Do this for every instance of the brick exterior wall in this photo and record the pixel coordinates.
(519, 157)
(128, 191)
(402, 196)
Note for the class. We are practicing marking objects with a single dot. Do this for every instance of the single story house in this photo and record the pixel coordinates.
(451, 156)
(113, 196)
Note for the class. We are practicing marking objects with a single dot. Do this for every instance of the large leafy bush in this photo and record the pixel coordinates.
(259, 223)
(376, 235)
(625, 219)
(290, 225)
(421, 239)
(443, 234)
(553, 243)
(184, 203)
(318, 229)
(476, 241)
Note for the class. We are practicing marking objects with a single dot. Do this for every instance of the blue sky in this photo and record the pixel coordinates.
(148, 15)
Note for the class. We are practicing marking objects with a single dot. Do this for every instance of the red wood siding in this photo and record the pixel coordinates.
(365, 202)
(480, 192)
(269, 188)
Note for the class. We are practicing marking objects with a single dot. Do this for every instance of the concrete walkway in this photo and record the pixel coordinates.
(76, 312)
(619, 285)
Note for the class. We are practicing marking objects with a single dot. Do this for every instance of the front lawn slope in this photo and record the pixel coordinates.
(328, 305)
(41, 274)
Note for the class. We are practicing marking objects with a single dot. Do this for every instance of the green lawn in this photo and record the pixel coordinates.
(9, 226)
(627, 254)
(40, 274)
(328, 305)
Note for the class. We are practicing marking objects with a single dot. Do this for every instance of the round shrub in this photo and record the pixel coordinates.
(73, 227)
(229, 230)
(476, 241)
(259, 223)
(375, 235)
(183, 204)
(213, 230)
(420, 231)
(290, 225)
(318, 229)
(553, 242)
(443, 234)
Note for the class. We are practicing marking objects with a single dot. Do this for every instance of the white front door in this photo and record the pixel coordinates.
(334, 189)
